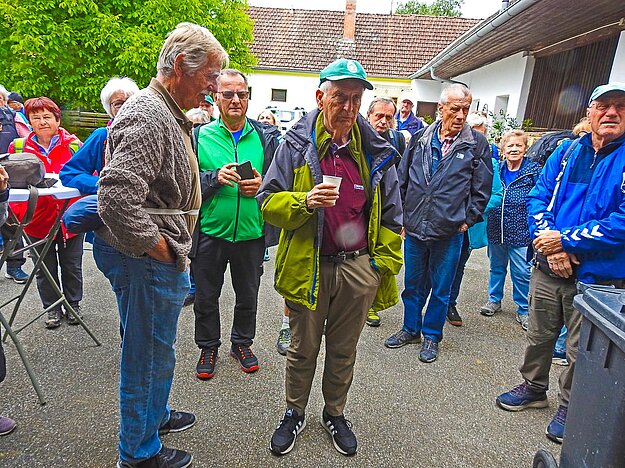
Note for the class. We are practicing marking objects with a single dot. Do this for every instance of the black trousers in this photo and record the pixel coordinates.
(3, 362)
(68, 256)
(14, 261)
(208, 268)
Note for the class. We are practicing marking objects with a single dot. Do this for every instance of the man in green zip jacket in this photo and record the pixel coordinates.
(230, 228)
(340, 247)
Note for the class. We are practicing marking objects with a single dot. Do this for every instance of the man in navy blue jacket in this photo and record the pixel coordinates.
(577, 219)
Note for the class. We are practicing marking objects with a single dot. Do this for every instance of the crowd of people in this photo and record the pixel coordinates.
(173, 198)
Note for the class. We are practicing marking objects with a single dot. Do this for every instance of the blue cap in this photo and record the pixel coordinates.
(606, 88)
(344, 69)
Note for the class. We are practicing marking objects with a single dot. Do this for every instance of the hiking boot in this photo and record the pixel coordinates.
(555, 429)
(523, 320)
(559, 359)
(54, 318)
(340, 429)
(402, 338)
(166, 458)
(17, 274)
(373, 318)
(522, 397)
(71, 320)
(283, 438)
(453, 317)
(7, 425)
(490, 308)
(245, 356)
(284, 341)
(189, 300)
(429, 350)
(178, 421)
(205, 368)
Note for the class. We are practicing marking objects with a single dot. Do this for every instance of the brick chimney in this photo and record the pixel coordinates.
(349, 25)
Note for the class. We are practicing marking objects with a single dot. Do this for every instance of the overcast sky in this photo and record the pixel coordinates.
(471, 8)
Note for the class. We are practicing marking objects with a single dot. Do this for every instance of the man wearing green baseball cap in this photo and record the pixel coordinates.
(333, 190)
(207, 105)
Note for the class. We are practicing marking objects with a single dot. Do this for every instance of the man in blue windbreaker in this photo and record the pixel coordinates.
(577, 219)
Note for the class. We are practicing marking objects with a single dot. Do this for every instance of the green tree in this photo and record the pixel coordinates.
(68, 49)
(438, 8)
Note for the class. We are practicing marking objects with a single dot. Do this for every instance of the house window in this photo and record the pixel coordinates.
(278, 95)
(501, 106)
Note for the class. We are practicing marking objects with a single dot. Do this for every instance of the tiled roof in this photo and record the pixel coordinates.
(391, 46)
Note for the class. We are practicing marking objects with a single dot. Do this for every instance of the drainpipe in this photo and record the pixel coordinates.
(444, 80)
(504, 5)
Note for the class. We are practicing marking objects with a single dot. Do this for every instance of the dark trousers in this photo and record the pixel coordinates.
(465, 253)
(208, 268)
(66, 254)
(16, 260)
(3, 363)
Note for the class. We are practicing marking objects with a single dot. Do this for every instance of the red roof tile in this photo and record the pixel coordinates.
(391, 46)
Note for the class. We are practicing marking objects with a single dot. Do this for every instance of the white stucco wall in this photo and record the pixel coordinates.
(618, 67)
(427, 90)
(508, 77)
(301, 90)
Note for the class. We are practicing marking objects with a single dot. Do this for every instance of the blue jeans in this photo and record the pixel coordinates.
(465, 253)
(560, 346)
(149, 298)
(430, 266)
(520, 272)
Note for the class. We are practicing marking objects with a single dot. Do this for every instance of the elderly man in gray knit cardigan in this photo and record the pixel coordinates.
(148, 198)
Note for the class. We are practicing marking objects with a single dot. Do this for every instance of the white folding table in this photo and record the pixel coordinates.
(59, 192)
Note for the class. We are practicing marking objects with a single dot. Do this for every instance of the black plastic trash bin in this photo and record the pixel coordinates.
(595, 424)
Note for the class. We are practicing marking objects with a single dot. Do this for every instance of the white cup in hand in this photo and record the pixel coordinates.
(333, 180)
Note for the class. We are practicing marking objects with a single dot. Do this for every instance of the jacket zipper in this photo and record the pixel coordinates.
(236, 218)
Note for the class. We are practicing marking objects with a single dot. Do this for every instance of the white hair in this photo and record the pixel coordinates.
(197, 115)
(123, 84)
(196, 43)
(454, 89)
(325, 86)
(476, 119)
(3, 92)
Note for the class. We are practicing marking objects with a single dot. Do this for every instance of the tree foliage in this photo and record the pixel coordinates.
(68, 49)
(438, 8)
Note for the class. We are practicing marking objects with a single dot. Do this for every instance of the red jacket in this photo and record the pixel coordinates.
(47, 208)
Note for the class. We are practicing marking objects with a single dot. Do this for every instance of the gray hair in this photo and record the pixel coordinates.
(197, 115)
(3, 92)
(454, 89)
(384, 100)
(115, 84)
(477, 119)
(196, 43)
(232, 72)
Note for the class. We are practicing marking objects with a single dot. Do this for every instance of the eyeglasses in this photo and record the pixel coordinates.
(242, 95)
(602, 107)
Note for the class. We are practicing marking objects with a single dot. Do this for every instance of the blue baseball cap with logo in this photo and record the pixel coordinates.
(606, 88)
(344, 69)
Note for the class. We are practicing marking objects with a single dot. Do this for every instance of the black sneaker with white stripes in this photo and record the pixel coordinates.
(283, 438)
(340, 429)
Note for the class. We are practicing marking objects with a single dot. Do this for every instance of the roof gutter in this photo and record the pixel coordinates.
(472, 36)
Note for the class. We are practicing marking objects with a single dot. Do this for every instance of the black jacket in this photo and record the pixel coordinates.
(436, 206)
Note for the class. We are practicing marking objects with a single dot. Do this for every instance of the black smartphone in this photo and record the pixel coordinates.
(245, 170)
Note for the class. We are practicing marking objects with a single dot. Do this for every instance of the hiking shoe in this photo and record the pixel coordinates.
(166, 458)
(490, 308)
(17, 274)
(54, 318)
(521, 397)
(283, 438)
(453, 317)
(71, 320)
(340, 429)
(402, 338)
(429, 350)
(178, 421)
(245, 356)
(559, 359)
(266, 256)
(189, 300)
(284, 341)
(523, 320)
(7, 425)
(205, 368)
(555, 429)
(373, 318)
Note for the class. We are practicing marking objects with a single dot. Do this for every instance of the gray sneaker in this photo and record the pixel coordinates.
(490, 308)
(284, 341)
(523, 320)
(54, 318)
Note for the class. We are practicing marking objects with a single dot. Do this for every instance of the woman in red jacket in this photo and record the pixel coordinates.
(54, 146)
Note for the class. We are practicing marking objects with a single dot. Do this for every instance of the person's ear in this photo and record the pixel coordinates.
(319, 97)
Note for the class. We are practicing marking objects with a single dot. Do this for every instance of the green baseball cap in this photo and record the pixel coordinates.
(208, 98)
(344, 69)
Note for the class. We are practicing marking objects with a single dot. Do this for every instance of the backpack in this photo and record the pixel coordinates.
(24, 169)
(542, 148)
(8, 131)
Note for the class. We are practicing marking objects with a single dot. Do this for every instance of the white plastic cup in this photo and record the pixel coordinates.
(333, 180)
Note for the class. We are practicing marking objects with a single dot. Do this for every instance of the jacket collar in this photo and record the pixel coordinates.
(465, 136)
(180, 117)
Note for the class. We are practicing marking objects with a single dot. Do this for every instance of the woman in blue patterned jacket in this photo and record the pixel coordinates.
(508, 233)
